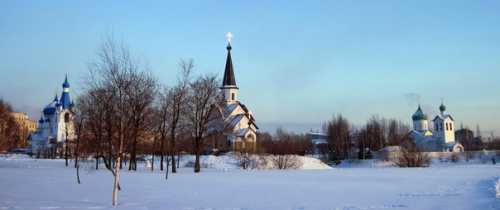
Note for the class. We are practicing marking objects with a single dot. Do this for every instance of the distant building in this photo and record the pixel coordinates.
(26, 125)
(55, 124)
(24, 121)
(441, 138)
(235, 121)
(319, 141)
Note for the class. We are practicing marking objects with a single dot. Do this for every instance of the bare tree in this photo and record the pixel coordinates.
(9, 129)
(339, 137)
(79, 123)
(141, 95)
(412, 156)
(397, 131)
(161, 123)
(201, 101)
(285, 147)
(176, 107)
(121, 93)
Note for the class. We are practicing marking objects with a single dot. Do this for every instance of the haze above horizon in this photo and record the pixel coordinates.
(296, 63)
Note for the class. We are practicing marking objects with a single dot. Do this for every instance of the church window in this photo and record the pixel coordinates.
(446, 126)
(66, 118)
(232, 96)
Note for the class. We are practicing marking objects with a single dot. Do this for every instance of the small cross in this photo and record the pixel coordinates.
(229, 36)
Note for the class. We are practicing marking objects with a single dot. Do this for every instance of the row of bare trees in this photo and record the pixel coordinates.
(125, 113)
(346, 141)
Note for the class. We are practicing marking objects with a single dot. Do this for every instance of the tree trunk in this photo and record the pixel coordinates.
(97, 162)
(166, 171)
(172, 150)
(197, 167)
(162, 153)
(116, 180)
(153, 162)
(178, 159)
(77, 165)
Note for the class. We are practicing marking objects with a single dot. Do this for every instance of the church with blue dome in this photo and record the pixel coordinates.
(441, 138)
(55, 126)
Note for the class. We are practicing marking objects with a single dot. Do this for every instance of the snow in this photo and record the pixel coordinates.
(497, 188)
(231, 162)
(47, 184)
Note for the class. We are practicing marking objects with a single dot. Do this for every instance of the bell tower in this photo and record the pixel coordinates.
(229, 88)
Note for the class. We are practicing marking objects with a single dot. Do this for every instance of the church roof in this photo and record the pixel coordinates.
(65, 100)
(442, 108)
(66, 83)
(229, 79)
(442, 117)
(419, 115)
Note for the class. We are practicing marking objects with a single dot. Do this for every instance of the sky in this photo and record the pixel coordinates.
(297, 63)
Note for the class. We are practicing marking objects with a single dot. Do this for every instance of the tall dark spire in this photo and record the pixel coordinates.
(229, 79)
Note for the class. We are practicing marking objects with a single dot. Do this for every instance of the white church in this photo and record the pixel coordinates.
(235, 121)
(55, 125)
(441, 138)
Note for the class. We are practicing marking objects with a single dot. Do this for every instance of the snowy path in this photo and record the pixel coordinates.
(49, 185)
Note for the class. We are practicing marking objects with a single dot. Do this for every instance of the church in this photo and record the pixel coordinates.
(234, 121)
(55, 124)
(441, 138)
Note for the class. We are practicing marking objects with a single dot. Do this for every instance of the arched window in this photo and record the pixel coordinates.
(232, 96)
(66, 118)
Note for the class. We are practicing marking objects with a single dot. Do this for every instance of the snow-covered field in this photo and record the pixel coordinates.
(48, 184)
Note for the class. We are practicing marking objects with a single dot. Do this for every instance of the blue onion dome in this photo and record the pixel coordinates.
(49, 110)
(419, 115)
(442, 108)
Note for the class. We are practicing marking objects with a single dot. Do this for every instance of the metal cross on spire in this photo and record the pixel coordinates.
(229, 36)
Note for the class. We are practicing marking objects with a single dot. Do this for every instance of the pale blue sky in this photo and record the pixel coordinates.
(296, 62)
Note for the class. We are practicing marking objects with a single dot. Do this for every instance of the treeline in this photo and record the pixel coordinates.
(347, 141)
(343, 141)
(283, 143)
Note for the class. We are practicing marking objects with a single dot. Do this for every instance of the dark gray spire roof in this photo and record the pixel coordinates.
(229, 79)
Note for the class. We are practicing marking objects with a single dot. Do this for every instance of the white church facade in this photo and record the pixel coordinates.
(55, 125)
(441, 138)
(235, 121)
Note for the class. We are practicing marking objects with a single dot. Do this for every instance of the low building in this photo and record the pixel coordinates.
(319, 141)
(26, 125)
